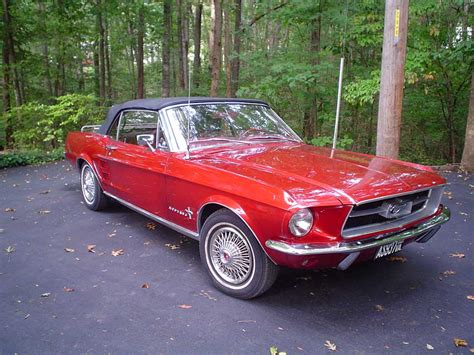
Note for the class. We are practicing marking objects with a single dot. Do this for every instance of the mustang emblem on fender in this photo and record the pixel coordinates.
(186, 213)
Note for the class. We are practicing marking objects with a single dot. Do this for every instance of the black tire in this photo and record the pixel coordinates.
(92, 194)
(240, 269)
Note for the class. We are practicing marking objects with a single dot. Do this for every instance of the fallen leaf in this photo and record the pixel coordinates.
(9, 209)
(470, 297)
(150, 226)
(69, 250)
(379, 307)
(397, 258)
(429, 347)
(274, 351)
(280, 328)
(449, 272)
(457, 255)
(471, 350)
(9, 249)
(2, 230)
(67, 289)
(207, 295)
(45, 192)
(145, 285)
(330, 346)
(172, 246)
(460, 342)
(46, 294)
(117, 252)
(184, 306)
(44, 212)
(463, 213)
(27, 316)
(90, 248)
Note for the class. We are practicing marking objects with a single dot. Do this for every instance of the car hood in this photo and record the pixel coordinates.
(307, 172)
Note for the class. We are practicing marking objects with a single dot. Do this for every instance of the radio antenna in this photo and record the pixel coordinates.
(188, 113)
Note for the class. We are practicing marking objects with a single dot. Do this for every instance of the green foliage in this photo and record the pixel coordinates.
(363, 91)
(43, 126)
(9, 159)
(326, 141)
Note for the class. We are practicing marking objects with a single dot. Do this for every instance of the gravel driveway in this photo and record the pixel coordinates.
(62, 290)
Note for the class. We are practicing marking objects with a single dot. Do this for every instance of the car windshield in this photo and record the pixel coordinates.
(227, 123)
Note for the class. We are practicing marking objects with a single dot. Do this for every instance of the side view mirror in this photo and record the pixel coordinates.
(146, 140)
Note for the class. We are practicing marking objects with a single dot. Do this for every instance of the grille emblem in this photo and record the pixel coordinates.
(395, 208)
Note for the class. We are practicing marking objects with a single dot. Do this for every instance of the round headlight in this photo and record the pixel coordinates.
(301, 222)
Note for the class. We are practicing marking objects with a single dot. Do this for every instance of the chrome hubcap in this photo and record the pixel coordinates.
(230, 255)
(88, 185)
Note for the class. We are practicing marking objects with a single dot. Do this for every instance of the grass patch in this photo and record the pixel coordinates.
(9, 159)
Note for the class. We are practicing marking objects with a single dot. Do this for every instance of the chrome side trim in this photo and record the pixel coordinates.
(177, 228)
(243, 220)
(357, 246)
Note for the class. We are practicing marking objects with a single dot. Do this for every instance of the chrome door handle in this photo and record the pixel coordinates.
(109, 148)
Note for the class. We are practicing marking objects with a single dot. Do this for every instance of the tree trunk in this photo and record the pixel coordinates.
(311, 113)
(227, 47)
(101, 30)
(132, 57)
(45, 49)
(392, 78)
(467, 160)
(235, 61)
(96, 71)
(183, 45)
(10, 43)
(165, 85)
(197, 46)
(108, 64)
(6, 76)
(216, 45)
(140, 56)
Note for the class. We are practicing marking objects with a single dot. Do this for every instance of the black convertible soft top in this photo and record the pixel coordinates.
(158, 104)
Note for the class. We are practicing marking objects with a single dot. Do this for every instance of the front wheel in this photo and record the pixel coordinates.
(94, 197)
(233, 257)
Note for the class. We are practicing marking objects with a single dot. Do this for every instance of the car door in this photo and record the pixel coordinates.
(137, 172)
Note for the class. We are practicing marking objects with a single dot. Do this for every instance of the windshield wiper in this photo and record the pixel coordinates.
(217, 139)
(274, 136)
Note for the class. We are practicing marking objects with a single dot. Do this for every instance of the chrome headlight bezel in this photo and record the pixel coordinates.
(301, 222)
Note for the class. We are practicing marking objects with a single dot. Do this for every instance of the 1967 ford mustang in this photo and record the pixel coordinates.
(231, 174)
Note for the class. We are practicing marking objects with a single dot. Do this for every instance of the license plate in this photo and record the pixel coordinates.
(388, 249)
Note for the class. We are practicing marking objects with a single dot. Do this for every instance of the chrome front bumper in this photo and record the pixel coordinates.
(423, 231)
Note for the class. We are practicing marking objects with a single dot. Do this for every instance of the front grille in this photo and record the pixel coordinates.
(391, 212)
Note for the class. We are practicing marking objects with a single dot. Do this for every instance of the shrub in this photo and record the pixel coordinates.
(10, 159)
(40, 126)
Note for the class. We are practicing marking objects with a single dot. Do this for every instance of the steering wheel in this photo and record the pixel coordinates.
(250, 130)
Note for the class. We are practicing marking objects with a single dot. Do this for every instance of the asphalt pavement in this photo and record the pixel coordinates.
(62, 291)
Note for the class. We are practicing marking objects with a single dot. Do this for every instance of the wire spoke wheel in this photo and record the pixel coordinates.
(231, 255)
(88, 185)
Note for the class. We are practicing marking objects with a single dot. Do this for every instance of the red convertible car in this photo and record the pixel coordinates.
(231, 174)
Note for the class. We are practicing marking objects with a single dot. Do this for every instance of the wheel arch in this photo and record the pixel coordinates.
(215, 204)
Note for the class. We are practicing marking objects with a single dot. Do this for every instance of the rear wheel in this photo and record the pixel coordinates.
(233, 257)
(92, 193)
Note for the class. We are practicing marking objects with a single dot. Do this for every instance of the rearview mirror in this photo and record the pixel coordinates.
(146, 140)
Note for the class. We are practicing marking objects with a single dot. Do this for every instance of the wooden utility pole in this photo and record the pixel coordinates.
(391, 83)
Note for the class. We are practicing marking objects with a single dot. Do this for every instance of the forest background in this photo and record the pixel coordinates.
(66, 61)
